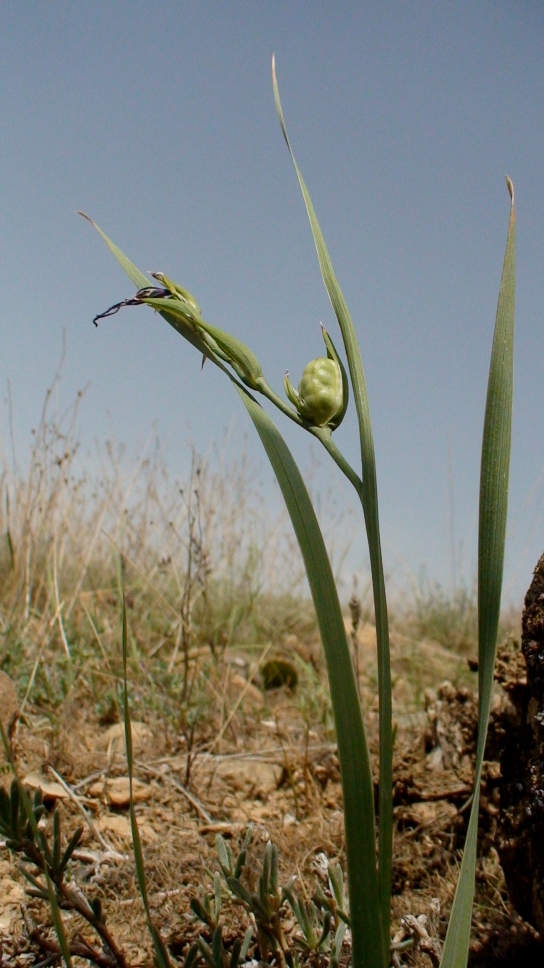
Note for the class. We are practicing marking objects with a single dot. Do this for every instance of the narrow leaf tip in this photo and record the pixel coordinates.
(510, 186)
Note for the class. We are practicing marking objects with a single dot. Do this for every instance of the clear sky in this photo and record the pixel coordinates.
(157, 118)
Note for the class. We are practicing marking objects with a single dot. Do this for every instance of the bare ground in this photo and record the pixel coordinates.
(266, 758)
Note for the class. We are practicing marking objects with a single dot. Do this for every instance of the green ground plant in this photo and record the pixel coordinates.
(46, 867)
(318, 406)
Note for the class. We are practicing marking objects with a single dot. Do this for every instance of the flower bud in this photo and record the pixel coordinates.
(178, 292)
(182, 306)
(320, 395)
(234, 352)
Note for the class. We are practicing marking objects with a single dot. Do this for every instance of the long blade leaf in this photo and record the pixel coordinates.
(138, 278)
(161, 954)
(369, 499)
(495, 467)
(141, 282)
(369, 950)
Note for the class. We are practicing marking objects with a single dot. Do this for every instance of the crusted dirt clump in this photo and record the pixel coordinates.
(521, 840)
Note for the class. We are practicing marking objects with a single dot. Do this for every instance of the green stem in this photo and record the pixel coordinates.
(267, 391)
(369, 499)
(323, 434)
(369, 949)
(367, 492)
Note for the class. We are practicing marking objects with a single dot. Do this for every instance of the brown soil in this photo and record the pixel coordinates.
(267, 762)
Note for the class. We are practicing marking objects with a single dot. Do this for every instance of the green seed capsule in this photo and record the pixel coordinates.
(320, 395)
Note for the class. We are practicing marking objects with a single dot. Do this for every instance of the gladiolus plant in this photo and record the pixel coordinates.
(318, 406)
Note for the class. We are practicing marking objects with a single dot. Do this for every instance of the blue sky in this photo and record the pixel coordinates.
(158, 119)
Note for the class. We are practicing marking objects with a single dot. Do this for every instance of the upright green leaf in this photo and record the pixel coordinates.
(494, 476)
(369, 949)
(161, 954)
(369, 499)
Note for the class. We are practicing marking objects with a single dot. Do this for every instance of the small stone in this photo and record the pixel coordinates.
(118, 825)
(427, 812)
(116, 791)
(51, 790)
(113, 739)
(240, 687)
(254, 779)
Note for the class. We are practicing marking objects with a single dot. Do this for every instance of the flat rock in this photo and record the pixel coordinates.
(250, 695)
(116, 791)
(113, 739)
(117, 825)
(51, 790)
(254, 779)
(426, 812)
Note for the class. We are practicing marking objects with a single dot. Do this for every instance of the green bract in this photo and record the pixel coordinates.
(179, 292)
(320, 394)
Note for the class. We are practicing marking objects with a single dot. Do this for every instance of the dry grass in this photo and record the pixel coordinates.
(201, 565)
(213, 588)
